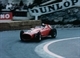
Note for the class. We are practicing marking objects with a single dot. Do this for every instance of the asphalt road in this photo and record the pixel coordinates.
(12, 47)
(69, 47)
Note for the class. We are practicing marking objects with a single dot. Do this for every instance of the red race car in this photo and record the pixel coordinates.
(38, 32)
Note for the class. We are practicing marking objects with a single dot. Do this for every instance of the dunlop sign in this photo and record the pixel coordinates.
(37, 11)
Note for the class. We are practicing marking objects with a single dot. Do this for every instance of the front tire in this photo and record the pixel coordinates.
(38, 36)
(21, 33)
(53, 33)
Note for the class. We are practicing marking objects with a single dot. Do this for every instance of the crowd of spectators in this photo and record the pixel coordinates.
(21, 5)
(13, 7)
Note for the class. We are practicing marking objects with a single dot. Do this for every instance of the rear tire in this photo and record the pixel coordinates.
(53, 33)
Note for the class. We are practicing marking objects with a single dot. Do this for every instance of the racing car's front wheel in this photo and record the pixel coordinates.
(21, 33)
(53, 33)
(38, 36)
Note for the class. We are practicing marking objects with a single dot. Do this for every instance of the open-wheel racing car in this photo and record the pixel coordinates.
(38, 33)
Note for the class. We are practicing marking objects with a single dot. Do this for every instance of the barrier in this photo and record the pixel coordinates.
(19, 25)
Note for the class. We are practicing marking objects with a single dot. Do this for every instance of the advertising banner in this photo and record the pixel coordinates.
(64, 4)
(6, 16)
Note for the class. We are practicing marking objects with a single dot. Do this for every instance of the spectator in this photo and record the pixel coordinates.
(9, 6)
(14, 7)
(25, 7)
(21, 4)
(1, 6)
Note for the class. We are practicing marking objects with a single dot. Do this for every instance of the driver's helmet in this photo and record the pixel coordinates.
(43, 24)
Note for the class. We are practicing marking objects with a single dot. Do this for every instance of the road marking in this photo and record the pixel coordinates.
(45, 48)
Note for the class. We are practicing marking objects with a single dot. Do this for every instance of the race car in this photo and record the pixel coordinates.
(38, 33)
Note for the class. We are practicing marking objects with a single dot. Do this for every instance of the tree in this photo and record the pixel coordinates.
(21, 3)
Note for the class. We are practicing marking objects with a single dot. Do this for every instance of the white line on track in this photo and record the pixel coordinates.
(43, 51)
(53, 54)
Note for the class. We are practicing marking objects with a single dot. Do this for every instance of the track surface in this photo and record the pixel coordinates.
(12, 47)
(66, 48)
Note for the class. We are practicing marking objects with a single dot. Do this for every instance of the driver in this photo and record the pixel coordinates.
(43, 25)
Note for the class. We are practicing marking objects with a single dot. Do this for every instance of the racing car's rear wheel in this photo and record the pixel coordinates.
(21, 33)
(38, 36)
(53, 33)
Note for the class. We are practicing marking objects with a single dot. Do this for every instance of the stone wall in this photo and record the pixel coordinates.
(19, 25)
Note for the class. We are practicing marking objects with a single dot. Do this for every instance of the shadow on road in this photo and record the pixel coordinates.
(34, 41)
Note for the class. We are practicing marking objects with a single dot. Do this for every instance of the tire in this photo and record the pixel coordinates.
(21, 33)
(53, 33)
(38, 37)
